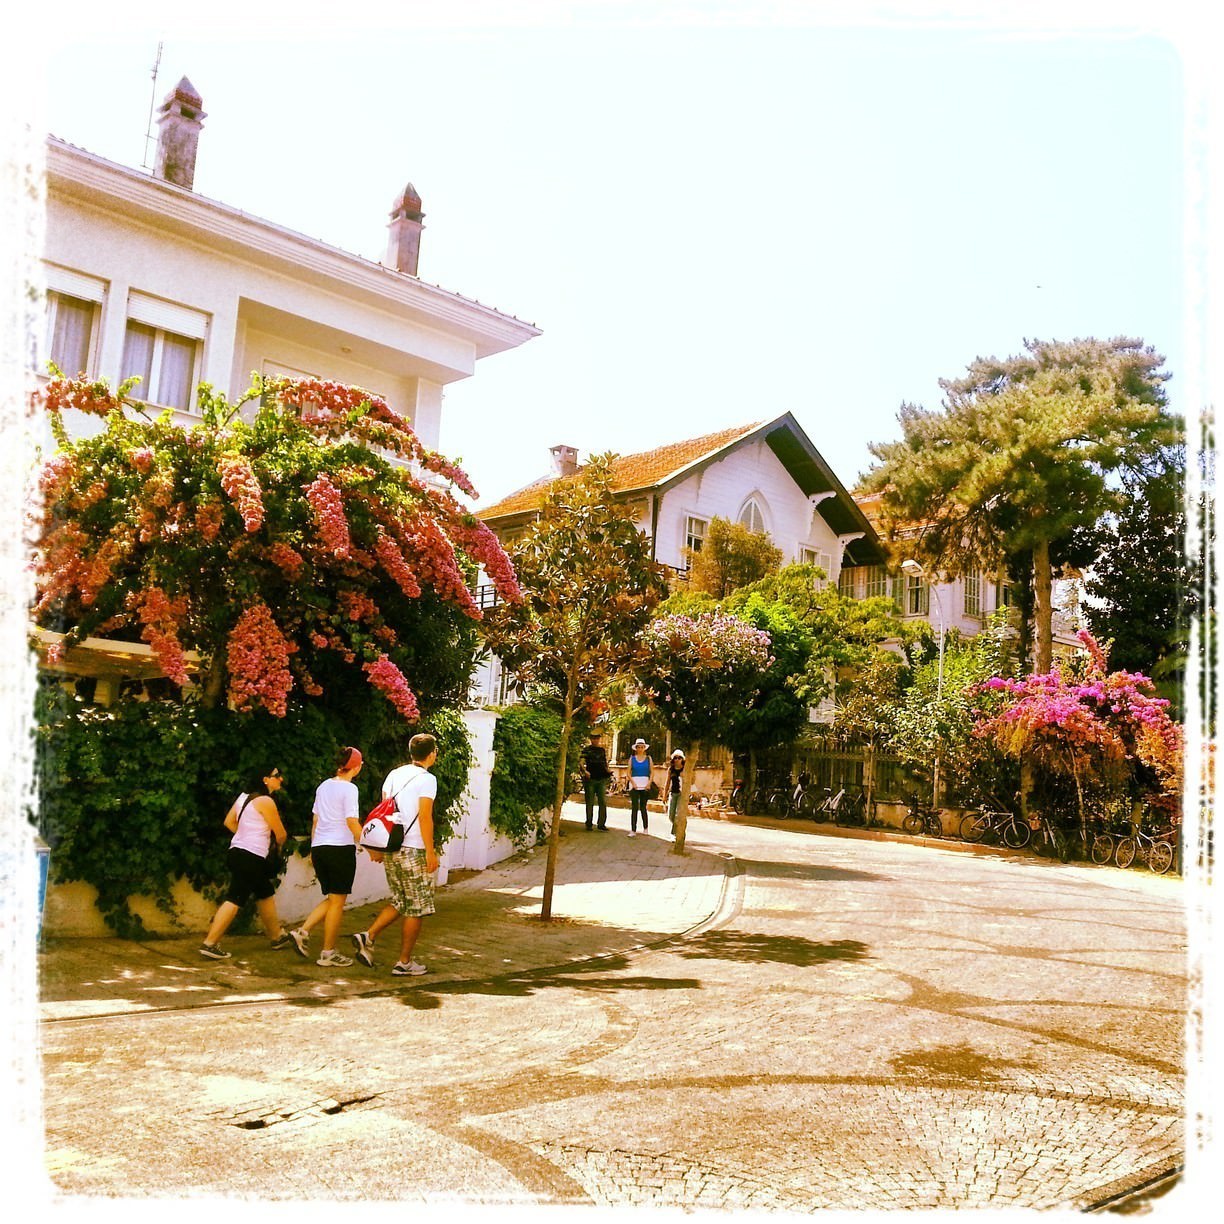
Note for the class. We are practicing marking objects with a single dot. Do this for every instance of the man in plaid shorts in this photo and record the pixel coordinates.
(410, 869)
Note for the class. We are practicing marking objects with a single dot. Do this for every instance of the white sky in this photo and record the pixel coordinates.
(715, 212)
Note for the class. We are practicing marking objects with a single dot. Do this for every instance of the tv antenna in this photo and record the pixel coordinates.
(148, 165)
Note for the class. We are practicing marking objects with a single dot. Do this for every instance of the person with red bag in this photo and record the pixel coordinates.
(411, 868)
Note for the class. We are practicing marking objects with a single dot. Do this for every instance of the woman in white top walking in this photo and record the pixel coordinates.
(256, 826)
(334, 835)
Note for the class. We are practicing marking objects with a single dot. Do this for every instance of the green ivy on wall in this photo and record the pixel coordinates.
(525, 740)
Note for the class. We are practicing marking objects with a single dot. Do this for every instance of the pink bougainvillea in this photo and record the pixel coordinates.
(1106, 719)
(340, 511)
(242, 486)
(328, 506)
(160, 615)
(389, 680)
(257, 657)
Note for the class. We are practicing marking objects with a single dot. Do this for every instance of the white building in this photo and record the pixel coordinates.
(144, 276)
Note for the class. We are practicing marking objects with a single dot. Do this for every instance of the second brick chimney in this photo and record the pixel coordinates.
(181, 120)
(404, 238)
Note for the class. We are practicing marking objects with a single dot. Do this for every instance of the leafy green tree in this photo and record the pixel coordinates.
(867, 713)
(934, 721)
(696, 671)
(1024, 455)
(731, 556)
(589, 586)
(843, 633)
(777, 710)
(1142, 589)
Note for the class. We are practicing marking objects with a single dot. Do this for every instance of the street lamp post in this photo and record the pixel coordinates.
(913, 568)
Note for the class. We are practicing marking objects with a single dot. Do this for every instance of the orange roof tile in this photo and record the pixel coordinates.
(629, 472)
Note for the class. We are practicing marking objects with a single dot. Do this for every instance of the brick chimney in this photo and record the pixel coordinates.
(181, 118)
(565, 459)
(404, 238)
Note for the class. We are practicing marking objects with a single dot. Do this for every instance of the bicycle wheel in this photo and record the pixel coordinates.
(737, 800)
(933, 825)
(973, 826)
(777, 804)
(819, 812)
(1160, 858)
(912, 823)
(1102, 848)
(1124, 852)
(1016, 834)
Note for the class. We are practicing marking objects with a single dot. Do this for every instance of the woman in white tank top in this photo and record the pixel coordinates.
(256, 827)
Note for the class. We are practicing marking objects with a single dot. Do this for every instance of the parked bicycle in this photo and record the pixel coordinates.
(995, 824)
(1156, 850)
(853, 810)
(1048, 838)
(826, 807)
(922, 819)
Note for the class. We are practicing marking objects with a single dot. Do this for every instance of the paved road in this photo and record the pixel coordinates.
(861, 1024)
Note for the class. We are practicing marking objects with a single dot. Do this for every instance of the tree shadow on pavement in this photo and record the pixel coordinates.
(776, 949)
(766, 870)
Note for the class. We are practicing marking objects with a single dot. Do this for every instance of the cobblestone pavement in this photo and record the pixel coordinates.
(779, 1020)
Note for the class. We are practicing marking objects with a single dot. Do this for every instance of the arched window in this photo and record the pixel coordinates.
(751, 517)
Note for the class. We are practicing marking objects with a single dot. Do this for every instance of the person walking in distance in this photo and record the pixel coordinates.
(411, 868)
(595, 775)
(640, 769)
(675, 777)
(252, 858)
(334, 835)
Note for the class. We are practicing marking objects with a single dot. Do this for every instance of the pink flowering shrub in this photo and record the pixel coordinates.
(1105, 725)
(257, 656)
(334, 550)
(240, 483)
(328, 507)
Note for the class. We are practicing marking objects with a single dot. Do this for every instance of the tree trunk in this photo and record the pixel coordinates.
(686, 786)
(214, 682)
(1043, 609)
(554, 832)
(751, 780)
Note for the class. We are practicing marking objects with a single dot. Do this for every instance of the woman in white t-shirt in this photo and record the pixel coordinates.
(334, 835)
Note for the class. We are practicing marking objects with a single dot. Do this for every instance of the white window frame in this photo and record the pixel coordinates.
(817, 556)
(973, 593)
(166, 320)
(90, 290)
(917, 596)
(695, 531)
(847, 581)
(877, 582)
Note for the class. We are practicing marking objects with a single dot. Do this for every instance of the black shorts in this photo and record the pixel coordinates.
(335, 867)
(250, 876)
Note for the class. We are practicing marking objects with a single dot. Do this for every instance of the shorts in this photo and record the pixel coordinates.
(250, 876)
(412, 887)
(335, 867)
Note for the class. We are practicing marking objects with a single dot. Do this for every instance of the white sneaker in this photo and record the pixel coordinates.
(632, 833)
(334, 958)
(411, 969)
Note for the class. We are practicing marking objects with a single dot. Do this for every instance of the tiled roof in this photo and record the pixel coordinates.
(629, 472)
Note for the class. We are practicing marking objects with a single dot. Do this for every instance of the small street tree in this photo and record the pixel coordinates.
(867, 714)
(1024, 455)
(697, 670)
(589, 587)
(731, 556)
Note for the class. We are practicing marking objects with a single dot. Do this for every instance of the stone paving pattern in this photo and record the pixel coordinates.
(777, 1020)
